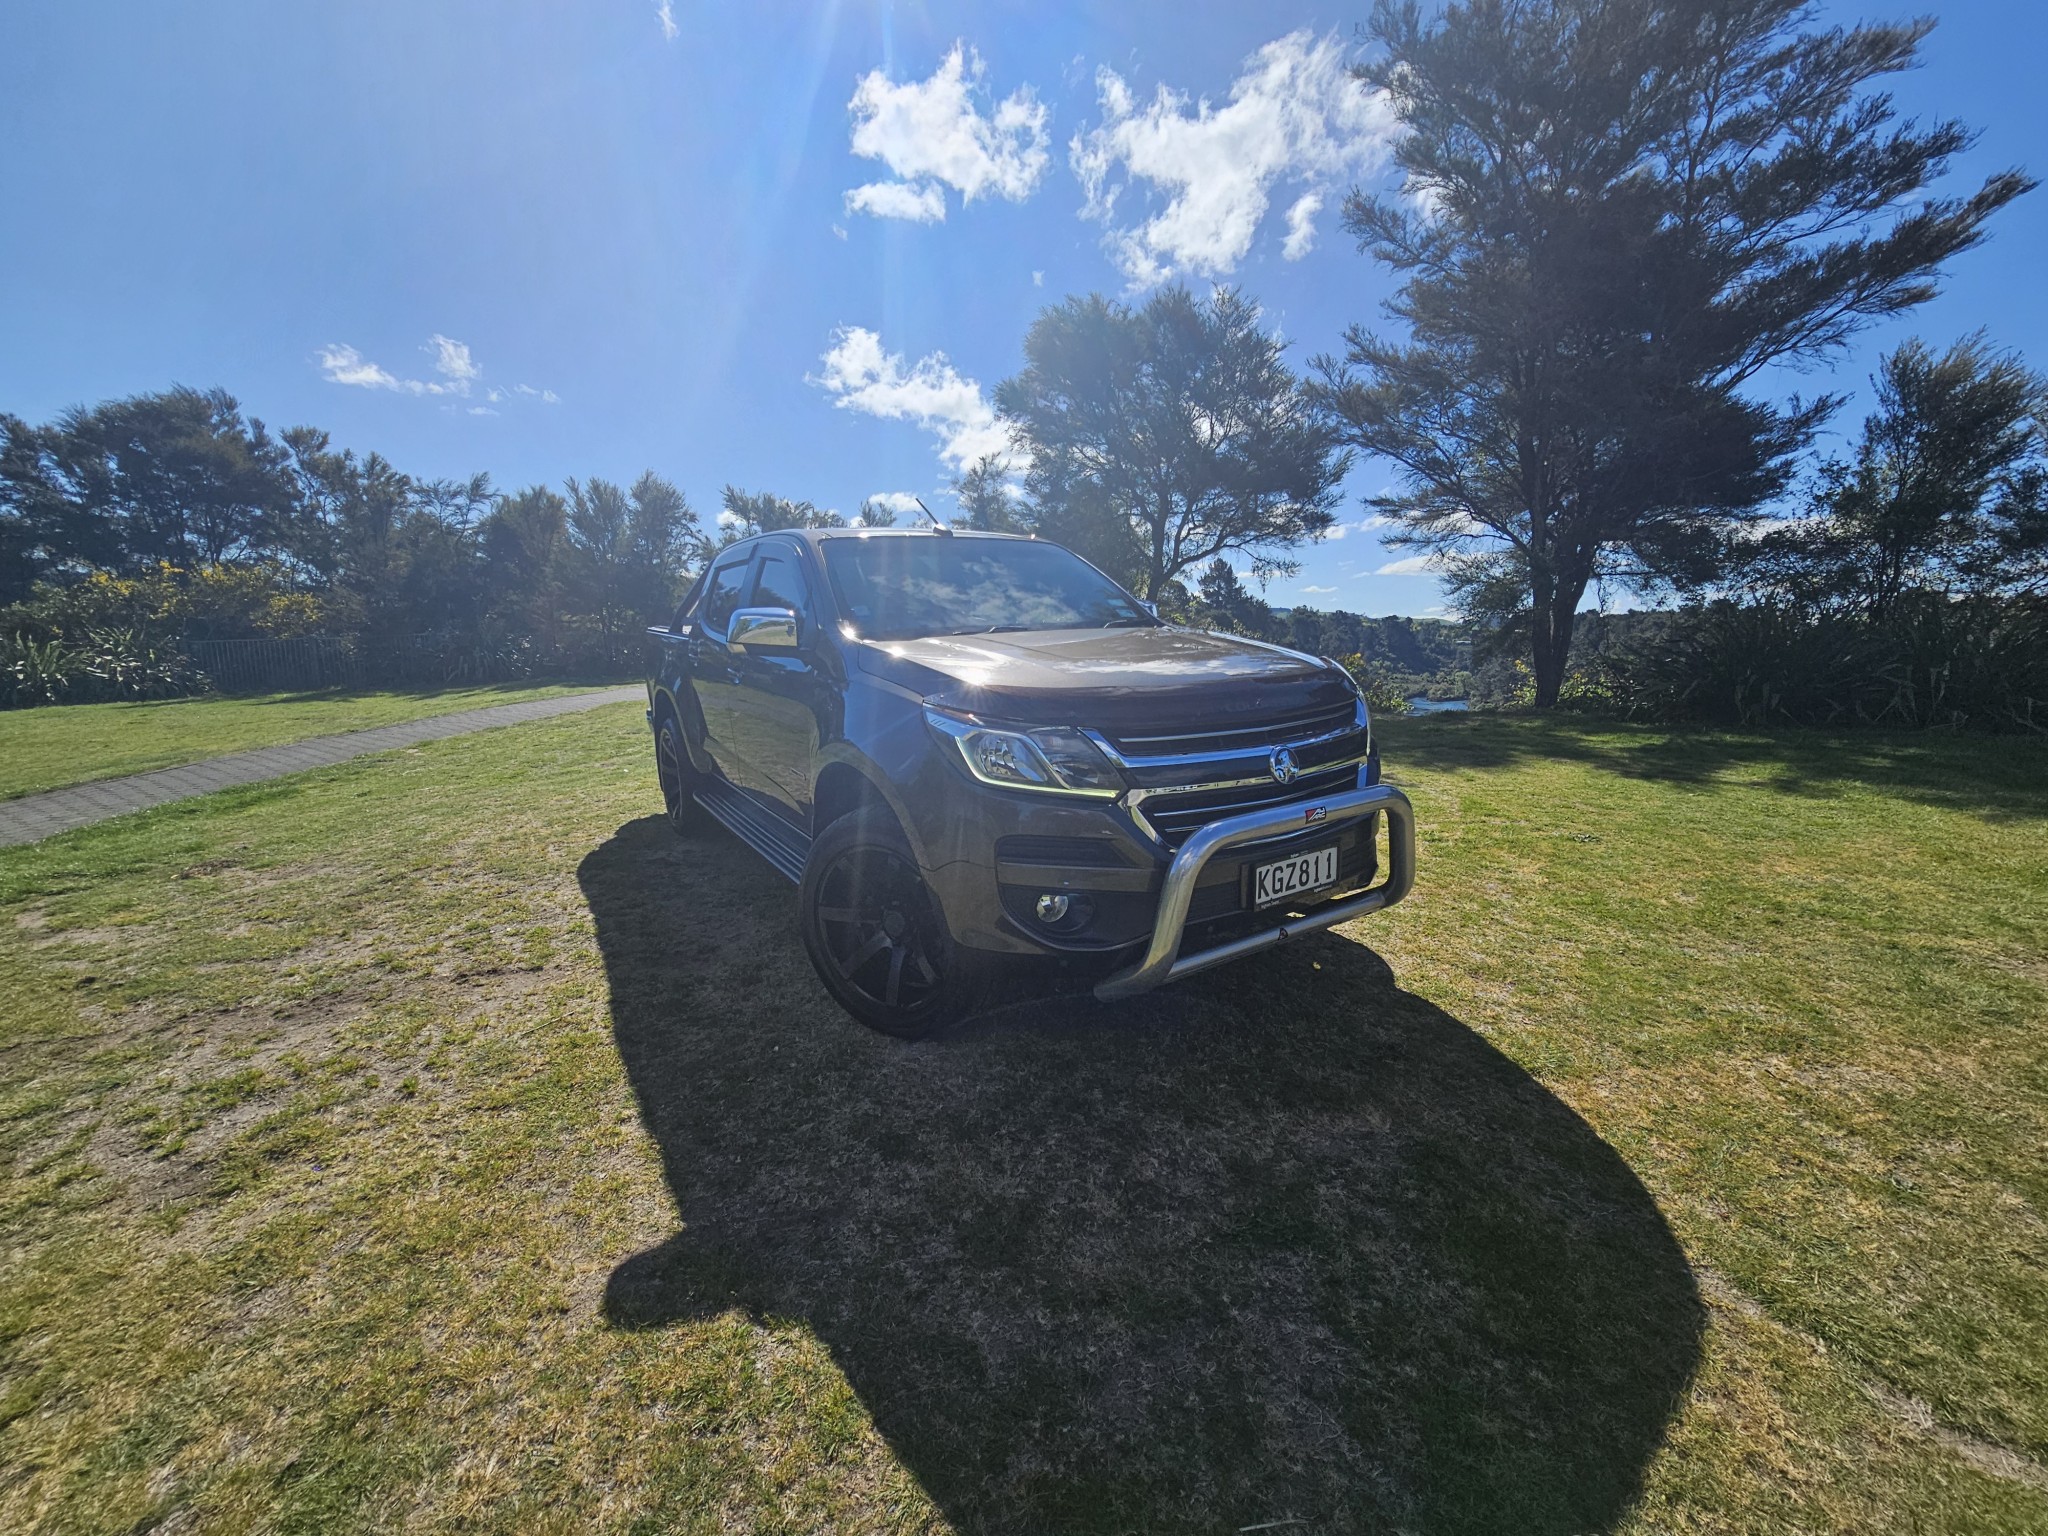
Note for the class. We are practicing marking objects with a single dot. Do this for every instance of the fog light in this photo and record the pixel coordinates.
(1052, 906)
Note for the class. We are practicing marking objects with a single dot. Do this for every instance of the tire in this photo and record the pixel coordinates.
(875, 934)
(677, 778)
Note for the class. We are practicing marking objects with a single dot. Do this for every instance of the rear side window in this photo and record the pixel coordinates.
(780, 582)
(727, 582)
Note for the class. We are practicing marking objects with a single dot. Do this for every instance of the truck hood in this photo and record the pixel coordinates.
(1109, 679)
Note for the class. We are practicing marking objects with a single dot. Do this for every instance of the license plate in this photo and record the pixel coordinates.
(1309, 871)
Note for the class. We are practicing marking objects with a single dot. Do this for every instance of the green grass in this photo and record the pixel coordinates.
(437, 1141)
(76, 743)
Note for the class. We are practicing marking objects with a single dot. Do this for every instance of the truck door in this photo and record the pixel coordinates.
(779, 693)
(714, 669)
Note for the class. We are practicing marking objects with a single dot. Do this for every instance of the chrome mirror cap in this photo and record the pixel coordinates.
(762, 629)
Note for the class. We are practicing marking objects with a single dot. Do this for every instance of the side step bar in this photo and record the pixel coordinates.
(759, 828)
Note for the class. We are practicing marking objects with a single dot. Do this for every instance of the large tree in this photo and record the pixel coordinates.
(1177, 427)
(1945, 487)
(986, 502)
(629, 551)
(1617, 219)
(179, 476)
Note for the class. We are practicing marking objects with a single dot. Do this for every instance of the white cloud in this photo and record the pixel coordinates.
(452, 359)
(897, 501)
(921, 202)
(1412, 565)
(345, 365)
(458, 370)
(1295, 116)
(1321, 591)
(932, 394)
(1301, 226)
(933, 134)
(1037, 279)
(839, 231)
(667, 12)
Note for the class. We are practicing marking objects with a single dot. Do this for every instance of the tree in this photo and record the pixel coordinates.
(1222, 602)
(873, 514)
(983, 491)
(628, 554)
(1178, 426)
(1617, 218)
(179, 476)
(749, 512)
(31, 508)
(1946, 475)
(525, 542)
(668, 540)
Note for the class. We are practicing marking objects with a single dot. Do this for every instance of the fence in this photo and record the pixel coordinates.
(278, 666)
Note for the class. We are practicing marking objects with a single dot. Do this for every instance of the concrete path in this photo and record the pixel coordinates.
(33, 817)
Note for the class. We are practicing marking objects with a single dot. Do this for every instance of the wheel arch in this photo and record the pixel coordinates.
(848, 782)
(693, 733)
(841, 790)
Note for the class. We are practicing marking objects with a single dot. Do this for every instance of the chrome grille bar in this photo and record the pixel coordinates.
(1163, 961)
(1323, 725)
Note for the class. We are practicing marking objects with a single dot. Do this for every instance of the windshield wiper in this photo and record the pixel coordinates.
(1133, 621)
(993, 629)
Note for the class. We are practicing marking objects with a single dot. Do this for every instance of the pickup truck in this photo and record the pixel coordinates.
(970, 749)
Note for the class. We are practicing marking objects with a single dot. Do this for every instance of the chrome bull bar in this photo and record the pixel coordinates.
(1163, 961)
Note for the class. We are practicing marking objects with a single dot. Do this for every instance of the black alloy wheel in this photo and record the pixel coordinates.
(874, 933)
(877, 929)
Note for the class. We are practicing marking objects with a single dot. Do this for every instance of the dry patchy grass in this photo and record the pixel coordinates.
(437, 1142)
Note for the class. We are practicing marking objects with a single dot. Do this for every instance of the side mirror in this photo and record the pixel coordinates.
(1151, 608)
(762, 629)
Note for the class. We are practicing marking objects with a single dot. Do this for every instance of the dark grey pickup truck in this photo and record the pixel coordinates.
(972, 747)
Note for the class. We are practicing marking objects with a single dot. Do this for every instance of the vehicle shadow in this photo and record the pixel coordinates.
(1282, 1243)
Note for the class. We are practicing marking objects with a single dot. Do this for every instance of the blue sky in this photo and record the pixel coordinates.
(547, 240)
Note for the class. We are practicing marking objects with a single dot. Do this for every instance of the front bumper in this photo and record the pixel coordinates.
(1162, 961)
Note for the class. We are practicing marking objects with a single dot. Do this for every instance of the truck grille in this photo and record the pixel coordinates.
(1273, 733)
(1176, 817)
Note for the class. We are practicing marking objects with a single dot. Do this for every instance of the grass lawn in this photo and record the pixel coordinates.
(436, 1141)
(74, 743)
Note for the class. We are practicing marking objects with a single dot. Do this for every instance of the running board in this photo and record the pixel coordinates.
(759, 828)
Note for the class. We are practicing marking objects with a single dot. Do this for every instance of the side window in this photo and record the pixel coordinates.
(780, 582)
(688, 605)
(727, 582)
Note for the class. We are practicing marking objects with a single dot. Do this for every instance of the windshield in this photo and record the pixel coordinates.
(903, 587)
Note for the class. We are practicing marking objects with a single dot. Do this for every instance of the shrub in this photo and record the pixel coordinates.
(109, 664)
(1383, 695)
(259, 600)
(1977, 662)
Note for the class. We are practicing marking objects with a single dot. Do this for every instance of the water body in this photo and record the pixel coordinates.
(1418, 705)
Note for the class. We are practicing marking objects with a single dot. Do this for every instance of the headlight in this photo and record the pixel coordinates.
(1054, 760)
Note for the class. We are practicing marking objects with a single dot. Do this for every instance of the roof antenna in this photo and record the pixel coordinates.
(937, 526)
